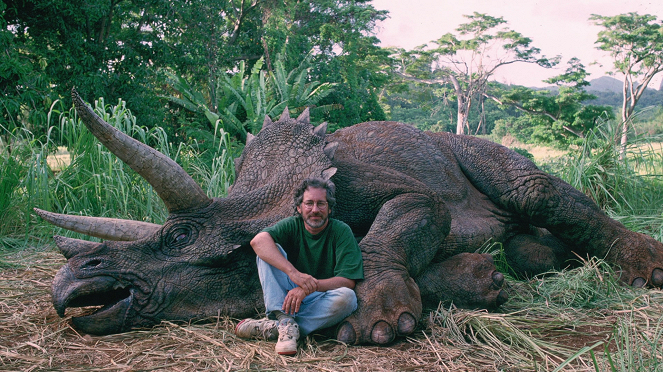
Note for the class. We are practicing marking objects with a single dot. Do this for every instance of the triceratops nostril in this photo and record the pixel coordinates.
(91, 264)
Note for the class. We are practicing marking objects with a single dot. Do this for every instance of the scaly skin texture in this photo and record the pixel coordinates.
(419, 204)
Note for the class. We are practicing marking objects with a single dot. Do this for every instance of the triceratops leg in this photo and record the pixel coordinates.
(515, 184)
(399, 245)
(469, 280)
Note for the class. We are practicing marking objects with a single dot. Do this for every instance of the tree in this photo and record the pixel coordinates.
(103, 47)
(345, 53)
(24, 87)
(468, 60)
(121, 49)
(560, 115)
(635, 43)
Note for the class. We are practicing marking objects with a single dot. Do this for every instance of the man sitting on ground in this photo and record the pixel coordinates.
(308, 265)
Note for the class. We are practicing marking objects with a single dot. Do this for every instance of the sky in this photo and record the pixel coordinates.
(556, 27)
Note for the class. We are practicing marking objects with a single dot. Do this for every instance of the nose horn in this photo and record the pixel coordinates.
(71, 247)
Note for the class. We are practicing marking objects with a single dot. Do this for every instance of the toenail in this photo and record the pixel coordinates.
(657, 277)
(346, 333)
(382, 333)
(638, 282)
(498, 280)
(406, 324)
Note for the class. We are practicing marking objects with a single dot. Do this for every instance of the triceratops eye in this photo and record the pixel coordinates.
(179, 237)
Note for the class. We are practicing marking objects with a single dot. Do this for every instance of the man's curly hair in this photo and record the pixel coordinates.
(316, 183)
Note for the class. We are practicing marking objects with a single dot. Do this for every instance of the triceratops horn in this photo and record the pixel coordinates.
(285, 115)
(321, 130)
(305, 117)
(173, 185)
(71, 247)
(101, 227)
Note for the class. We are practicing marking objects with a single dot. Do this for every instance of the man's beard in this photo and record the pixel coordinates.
(315, 224)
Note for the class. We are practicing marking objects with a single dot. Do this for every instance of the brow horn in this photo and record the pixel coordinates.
(173, 185)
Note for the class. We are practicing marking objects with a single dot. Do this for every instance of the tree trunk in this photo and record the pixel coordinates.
(461, 120)
(463, 106)
(625, 117)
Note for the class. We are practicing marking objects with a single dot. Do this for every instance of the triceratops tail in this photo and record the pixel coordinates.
(173, 185)
(101, 227)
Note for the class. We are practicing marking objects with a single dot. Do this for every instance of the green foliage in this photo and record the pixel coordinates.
(244, 99)
(651, 125)
(24, 175)
(465, 62)
(523, 152)
(117, 190)
(121, 48)
(96, 182)
(556, 118)
(345, 53)
(23, 85)
(636, 44)
(623, 188)
(432, 107)
(105, 47)
(592, 285)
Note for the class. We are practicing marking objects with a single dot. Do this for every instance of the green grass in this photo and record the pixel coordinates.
(95, 182)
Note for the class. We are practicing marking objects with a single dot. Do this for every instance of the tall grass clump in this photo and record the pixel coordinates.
(96, 182)
(24, 175)
(627, 189)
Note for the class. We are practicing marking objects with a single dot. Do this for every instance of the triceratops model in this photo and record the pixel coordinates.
(420, 203)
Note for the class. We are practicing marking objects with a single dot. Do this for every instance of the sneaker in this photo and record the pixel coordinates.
(288, 336)
(265, 329)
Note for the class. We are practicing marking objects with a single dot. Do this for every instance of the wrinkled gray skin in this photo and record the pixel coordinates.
(418, 202)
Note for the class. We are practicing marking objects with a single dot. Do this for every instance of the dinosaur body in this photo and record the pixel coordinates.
(419, 203)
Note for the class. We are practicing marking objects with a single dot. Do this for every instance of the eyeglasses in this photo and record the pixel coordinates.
(322, 205)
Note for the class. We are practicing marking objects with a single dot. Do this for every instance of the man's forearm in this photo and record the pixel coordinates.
(266, 249)
(325, 285)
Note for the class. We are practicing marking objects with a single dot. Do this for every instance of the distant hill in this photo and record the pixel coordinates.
(608, 91)
(605, 84)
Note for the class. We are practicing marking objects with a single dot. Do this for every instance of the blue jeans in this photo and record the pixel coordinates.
(318, 310)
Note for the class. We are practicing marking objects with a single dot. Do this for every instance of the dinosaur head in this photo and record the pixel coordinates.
(174, 274)
(198, 263)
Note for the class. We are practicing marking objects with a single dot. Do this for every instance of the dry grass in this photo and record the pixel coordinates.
(34, 338)
(59, 160)
(541, 154)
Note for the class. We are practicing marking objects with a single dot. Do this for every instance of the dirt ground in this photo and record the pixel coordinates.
(34, 338)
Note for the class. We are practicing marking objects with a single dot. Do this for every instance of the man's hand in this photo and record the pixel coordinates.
(308, 283)
(293, 300)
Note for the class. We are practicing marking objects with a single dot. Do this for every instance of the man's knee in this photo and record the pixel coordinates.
(345, 301)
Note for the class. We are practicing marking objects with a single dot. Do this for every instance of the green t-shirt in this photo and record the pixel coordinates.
(333, 252)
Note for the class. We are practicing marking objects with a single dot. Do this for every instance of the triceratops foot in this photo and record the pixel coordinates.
(468, 279)
(639, 260)
(389, 307)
